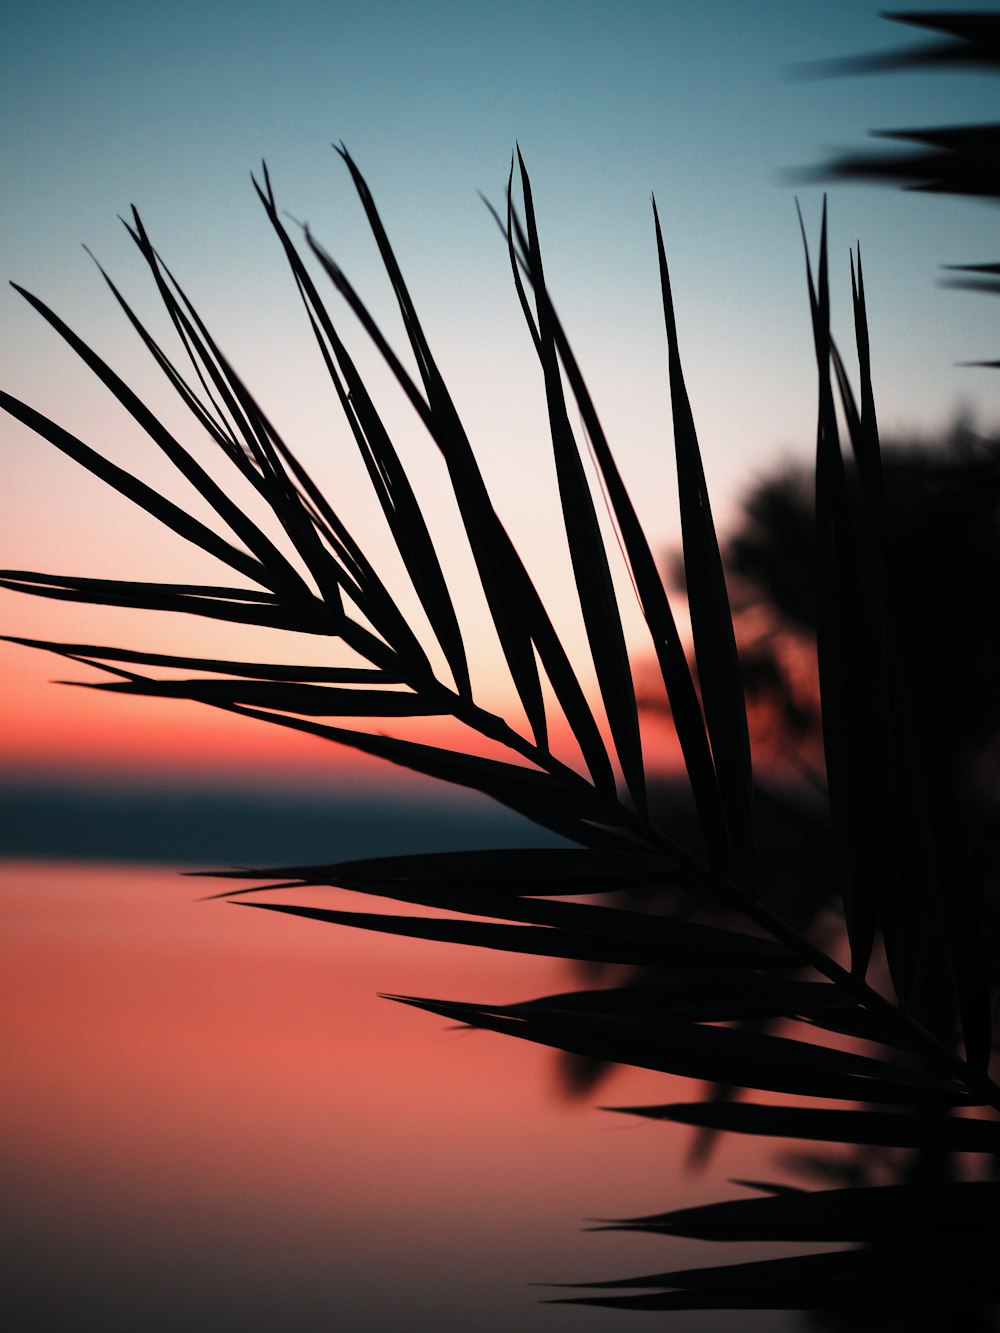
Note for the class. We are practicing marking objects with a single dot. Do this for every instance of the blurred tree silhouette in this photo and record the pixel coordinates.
(943, 514)
(944, 508)
(941, 522)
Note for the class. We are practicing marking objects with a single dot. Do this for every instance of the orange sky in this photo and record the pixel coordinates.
(56, 727)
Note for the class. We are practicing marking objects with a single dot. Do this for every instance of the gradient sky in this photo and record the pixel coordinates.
(107, 104)
(130, 1041)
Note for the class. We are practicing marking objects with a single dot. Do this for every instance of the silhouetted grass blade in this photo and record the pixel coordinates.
(983, 29)
(622, 941)
(598, 602)
(869, 1025)
(920, 835)
(260, 440)
(370, 594)
(973, 44)
(494, 555)
(167, 513)
(250, 446)
(540, 871)
(235, 604)
(869, 457)
(892, 1212)
(290, 697)
(270, 567)
(664, 940)
(684, 705)
(388, 477)
(891, 826)
(988, 283)
(711, 619)
(932, 1132)
(212, 413)
(852, 683)
(961, 944)
(694, 1050)
(955, 160)
(915, 1274)
(716, 999)
(574, 812)
(486, 537)
(254, 670)
(211, 418)
(519, 616)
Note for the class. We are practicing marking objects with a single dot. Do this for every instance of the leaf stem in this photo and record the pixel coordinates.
(495, 728)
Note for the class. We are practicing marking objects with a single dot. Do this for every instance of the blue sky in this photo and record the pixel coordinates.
(107, 104)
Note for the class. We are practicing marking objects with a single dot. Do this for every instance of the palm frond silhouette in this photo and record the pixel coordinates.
(950, 159)
(913, 1071)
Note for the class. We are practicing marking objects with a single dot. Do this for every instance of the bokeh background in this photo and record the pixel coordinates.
(123, 1030)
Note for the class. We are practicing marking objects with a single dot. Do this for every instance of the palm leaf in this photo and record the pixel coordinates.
(881, 1128)
(916, 1274)
(260, 442)
(519, 616)
(293, 697)
(592, 572)
(694, 1050)
(253, 670)
(218, 603)
(711, 619)
(538, 871)
(574, 813)
(635, 947)
(712, 967)
(893, 1212)
(387, 474)
(162, 509)
(270, 563)
(684, 705)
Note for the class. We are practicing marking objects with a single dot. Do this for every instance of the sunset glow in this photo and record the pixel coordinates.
(245, 461)
(742, 310)
(208, 1116)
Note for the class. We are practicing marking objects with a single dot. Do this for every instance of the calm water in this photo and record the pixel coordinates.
(211, 1122)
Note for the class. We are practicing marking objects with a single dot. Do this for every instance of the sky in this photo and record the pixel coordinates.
(124, 1077)
(111, 104)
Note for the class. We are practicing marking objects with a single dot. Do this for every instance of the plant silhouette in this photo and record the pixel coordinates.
(943, 500)
(890, 1050)
(951, 159)
(949, 488)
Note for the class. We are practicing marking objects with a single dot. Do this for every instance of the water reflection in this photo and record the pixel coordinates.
(210, 1121)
